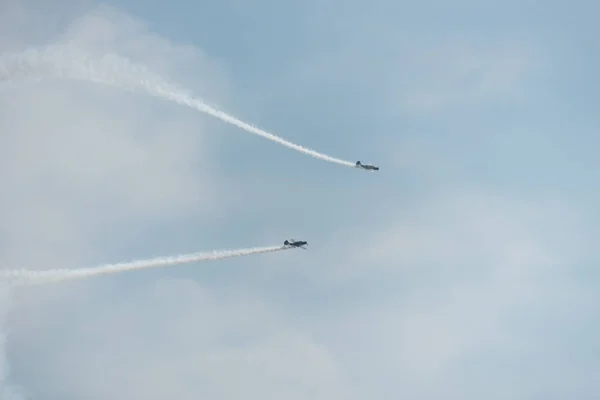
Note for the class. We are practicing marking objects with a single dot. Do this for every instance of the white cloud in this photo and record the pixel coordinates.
(455, 231)
(77, 160)
(81, 161)
(8, 390)
(106, 30)
(467, 282)
(177, 339)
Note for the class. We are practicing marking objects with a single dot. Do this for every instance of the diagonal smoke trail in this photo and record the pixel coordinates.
(69, 63)
(27, 277)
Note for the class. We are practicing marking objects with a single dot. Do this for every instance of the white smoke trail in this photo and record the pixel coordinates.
(22, 277)
(69, 63)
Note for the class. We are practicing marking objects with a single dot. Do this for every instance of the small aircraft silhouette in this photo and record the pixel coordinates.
(294, 243)
(366, 166)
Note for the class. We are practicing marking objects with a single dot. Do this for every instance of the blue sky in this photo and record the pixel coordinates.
(465, 268)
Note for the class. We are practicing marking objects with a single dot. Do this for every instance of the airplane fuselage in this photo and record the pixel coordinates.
(294, 243)
(367, 166)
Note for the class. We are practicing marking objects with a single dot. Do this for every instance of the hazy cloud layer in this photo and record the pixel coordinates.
(464, 269)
